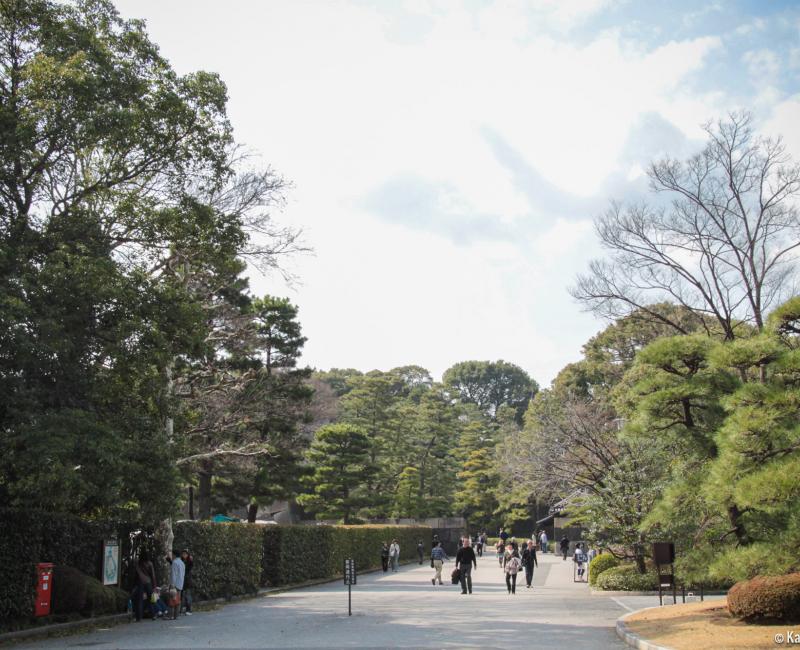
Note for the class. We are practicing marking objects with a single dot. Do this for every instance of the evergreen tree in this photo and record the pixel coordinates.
(341, 470)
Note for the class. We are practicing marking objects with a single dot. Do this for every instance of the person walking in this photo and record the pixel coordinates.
(465, 563)
(144, 586)
(501, 550)
(177, 573)
(511, 565)
(186, 594)
(503, 536)
(394, 555)
(385, 557)
(420, 551)
(564, 547)
(543, 541)
(529, 561)
(438, 556)
(579, 558)
(479, 545)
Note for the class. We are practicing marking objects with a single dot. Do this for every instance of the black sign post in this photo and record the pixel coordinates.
(664, 556)
(349, 580)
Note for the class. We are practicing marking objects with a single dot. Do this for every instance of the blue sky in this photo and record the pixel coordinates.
(448, 158)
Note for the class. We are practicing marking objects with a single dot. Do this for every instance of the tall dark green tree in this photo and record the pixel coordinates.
(341, 470)
(490, 385)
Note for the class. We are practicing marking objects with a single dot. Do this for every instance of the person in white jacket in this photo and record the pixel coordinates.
(394, 555)
(177, 572)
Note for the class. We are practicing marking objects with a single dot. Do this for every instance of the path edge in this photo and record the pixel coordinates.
(633, 639)
(88, 624)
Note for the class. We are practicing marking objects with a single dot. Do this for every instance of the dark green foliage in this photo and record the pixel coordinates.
(599, 565)
(36, 536)
(295, 554)
(102, 599)
(342, 470)
(227, 557)
(491, 384)
(767, 598)
(77, 593)
(69, 590)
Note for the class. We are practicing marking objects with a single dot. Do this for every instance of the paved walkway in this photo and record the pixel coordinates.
(393, 610)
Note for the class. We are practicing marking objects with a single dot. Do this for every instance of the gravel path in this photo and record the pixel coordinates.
(392, 610)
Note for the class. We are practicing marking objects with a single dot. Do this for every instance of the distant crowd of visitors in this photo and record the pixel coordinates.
(512, 556)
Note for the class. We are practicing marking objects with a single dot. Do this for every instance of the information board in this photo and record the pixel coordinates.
(111, 562)
(349, 571)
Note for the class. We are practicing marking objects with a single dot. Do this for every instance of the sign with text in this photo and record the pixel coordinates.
(111, 562)
(349, 571)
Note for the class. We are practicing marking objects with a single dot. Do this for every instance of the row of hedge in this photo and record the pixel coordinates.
(298, 553)
(230, 559)
(30, 536)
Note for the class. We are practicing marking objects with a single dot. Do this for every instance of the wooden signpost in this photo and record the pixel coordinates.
(349, 579)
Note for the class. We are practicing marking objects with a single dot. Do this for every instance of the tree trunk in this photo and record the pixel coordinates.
(735, 519)
(640, 565)
(252, 511)
(204, 491)
(191, 502)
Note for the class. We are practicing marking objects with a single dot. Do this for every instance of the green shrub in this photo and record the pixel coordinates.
(69, 590)
(295, 554)
(227, 557)
(766, 598)
(103, 599)
(600, 564)
(626, 577)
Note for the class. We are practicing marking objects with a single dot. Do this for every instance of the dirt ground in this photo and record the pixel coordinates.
(700, 626)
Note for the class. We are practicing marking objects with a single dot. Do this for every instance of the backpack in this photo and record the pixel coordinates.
(512, 566)
(455, 577)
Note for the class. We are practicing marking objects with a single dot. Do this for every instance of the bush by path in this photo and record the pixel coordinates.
(599, 565)
(766, 598)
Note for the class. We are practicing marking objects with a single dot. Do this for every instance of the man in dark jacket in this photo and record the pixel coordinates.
(465, 562)
(529, 561)
(186, 594)
(565, 547)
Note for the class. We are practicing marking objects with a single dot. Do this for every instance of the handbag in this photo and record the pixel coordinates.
(431, 563)
(455, 577)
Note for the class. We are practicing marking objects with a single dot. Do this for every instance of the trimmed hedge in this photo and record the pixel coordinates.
(299, 553)
(766, 598)
(599, 565)
(77, 593)
(227, 557)
(31, 536)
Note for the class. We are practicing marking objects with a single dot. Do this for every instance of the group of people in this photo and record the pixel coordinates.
(390, 556)
(513, 559)
(166, 602)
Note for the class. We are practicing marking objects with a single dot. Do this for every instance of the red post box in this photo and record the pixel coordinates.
(44, 588)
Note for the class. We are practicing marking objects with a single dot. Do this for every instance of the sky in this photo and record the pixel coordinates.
(447, 159)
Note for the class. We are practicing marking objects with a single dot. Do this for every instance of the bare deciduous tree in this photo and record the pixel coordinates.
(726, 245)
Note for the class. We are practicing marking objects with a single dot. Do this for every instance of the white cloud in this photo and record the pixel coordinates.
(763, 65)
(344, 98)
